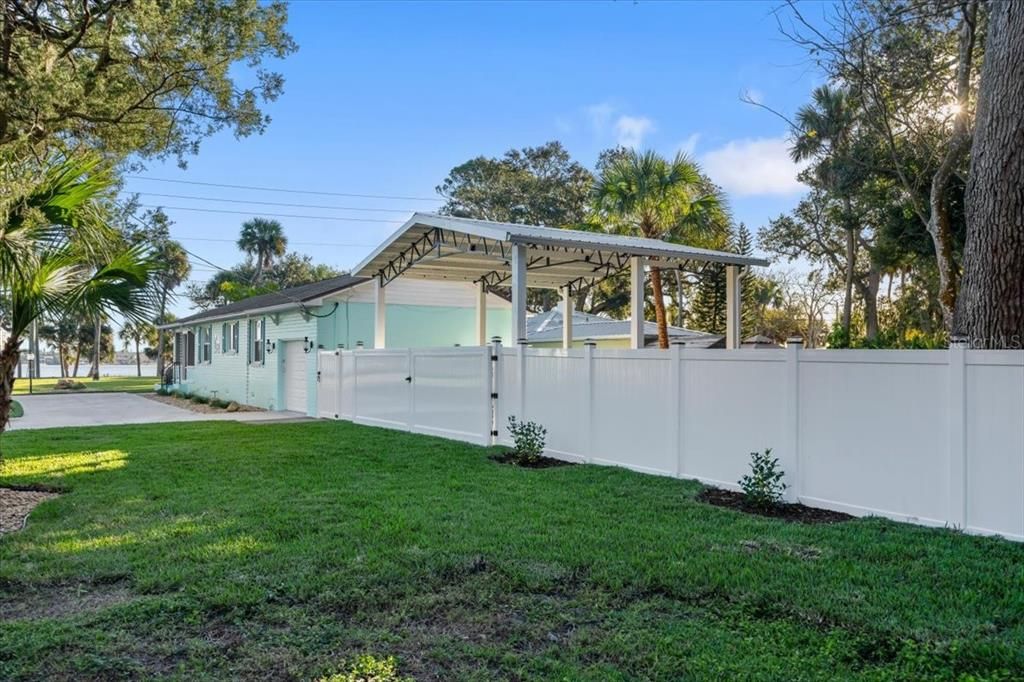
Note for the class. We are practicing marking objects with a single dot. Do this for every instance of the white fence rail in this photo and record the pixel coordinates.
(931, 437)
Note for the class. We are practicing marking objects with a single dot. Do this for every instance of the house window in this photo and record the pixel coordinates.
(257, 339)
(190, 348)
(229, 337)
(205, 344)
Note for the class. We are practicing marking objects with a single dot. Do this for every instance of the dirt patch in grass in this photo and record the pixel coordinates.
(786, 512)
(539, 463)
(33, 602)
(17, 503)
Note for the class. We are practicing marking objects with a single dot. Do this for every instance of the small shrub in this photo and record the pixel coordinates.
(164, 391)
(218, 403)
(368, 668)
(763, 486)
(528, 438)
(200, 399)
(68, 385)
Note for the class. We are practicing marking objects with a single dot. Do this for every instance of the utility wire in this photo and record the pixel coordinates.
(290, 242)
(278, 203)
(288, 191)
(275, 215)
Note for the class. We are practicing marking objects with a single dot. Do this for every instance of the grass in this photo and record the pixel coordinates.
(115, 384)
(220, 550)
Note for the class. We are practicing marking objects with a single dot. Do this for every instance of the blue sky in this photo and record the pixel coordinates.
(385, 98)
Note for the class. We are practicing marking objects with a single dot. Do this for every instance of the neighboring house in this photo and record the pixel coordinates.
(262, 351)
(759, 341)
(544, 330)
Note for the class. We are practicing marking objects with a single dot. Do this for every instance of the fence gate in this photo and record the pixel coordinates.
(328, 384)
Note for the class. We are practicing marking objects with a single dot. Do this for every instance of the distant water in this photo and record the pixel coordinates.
(148, 370)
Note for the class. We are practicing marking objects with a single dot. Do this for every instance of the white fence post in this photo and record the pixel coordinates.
(957, 495)
(496, 389)
(521, 376)
(676, 404)
(790, 459)
(588, 401)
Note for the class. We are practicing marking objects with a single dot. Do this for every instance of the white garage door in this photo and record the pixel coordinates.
(294, 377)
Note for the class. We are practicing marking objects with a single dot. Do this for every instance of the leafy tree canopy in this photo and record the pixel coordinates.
(149, 77)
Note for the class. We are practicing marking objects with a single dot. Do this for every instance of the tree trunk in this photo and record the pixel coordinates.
(97, 340)
(680, 317)
(9, 358)
(990, 310)
(138, 358)
(869, 292)
(851, 262)
(659, 308)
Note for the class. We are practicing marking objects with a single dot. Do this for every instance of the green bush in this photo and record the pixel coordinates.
(369, 668)
(200, 399)
(218, 403)
(528, 438)
(763, 486)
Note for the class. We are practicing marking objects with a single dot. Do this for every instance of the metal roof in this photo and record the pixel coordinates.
(432, 246)
(547, 327)
(284, 299)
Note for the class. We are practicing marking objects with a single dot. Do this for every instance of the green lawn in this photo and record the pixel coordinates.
(126, 384)
(222, 550)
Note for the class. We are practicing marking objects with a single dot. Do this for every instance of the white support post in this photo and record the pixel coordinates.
(481, 314)
(790, 458)
(518, 292)
(732, 306)
(380, 314)
(637, 278)
(676, 405)
(567, 310)
(521, 378)
(957, 512)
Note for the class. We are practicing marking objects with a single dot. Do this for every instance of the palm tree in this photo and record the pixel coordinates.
(647, 195)
(263, 240)
(58, 255)
(825, 131)
(136, 332)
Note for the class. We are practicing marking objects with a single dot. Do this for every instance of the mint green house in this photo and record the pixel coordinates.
(262, 351)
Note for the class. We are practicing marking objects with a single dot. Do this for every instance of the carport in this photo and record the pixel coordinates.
(491, 254)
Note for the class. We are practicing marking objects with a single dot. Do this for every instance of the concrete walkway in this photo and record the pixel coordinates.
(97, 409)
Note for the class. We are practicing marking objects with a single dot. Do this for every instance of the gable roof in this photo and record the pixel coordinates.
(293, 297)
(432, 246)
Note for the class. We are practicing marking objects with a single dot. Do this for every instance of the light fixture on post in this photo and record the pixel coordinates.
(271, 346)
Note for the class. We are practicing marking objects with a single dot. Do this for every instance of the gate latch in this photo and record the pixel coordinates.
(409, 379)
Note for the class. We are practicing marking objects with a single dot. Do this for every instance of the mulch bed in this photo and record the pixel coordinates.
(541, 463)
(202, 408)
(787, 512)
(17, 503)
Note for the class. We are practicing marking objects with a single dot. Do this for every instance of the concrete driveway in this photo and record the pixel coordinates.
(96, 409)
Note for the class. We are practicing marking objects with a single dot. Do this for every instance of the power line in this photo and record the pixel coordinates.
(276, 215)
(290, 242)
(288, 191)
(278, 203)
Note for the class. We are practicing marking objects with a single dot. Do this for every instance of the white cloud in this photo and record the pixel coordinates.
(754, 166)
(631, 130)
(689, 145)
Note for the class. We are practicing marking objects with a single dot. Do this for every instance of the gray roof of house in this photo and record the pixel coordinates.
(292, 297)
(547, 326)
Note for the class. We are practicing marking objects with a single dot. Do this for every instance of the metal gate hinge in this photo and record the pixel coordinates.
(494, 432)
(494, 396)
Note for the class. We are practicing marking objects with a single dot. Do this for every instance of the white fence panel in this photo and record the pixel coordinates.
(347, 378)
(452, 393)
(994, 390)
(381, 390)
(632, 411)
(732, 405)
(874, 432)
(328, 387)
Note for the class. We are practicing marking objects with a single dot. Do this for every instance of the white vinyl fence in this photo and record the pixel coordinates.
(931, 437)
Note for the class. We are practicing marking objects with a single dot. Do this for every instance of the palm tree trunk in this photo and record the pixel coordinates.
(138, 357)
(851, 257)
(9, 357)
(659, 308)
(95, 371)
